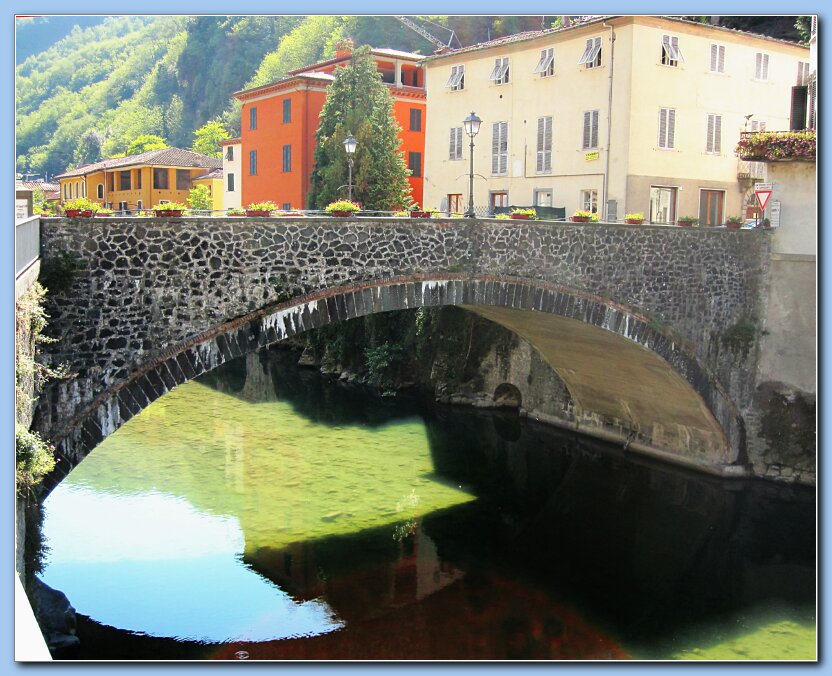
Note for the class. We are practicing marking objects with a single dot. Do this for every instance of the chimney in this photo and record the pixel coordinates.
(343, 48)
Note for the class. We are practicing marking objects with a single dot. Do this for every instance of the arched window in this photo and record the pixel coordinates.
(101, 191)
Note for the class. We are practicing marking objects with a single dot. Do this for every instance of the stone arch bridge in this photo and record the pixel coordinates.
(639, 322)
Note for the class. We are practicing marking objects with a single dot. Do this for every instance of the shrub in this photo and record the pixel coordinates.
(343, 205)
(170, 206)
(638, 216)
(778, 145)
(200, 198)
(581, 213)
(34, 458)
(81, 204)
(262, 206)
(524, 212)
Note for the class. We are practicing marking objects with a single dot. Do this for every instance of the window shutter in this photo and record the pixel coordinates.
(495, 148)
(547, 144)
(504, 147)
(709, 135)
(717, 133)
(587, 130)
(721, 59)
(714, 57)
(671, 128)
(594, 128)
(765, 66)
(540, 132)
(452, 144)
(662, 127)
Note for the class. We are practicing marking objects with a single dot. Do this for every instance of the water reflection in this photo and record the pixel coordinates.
(280, 516)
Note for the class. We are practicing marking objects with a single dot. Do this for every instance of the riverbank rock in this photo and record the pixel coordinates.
(56, 617)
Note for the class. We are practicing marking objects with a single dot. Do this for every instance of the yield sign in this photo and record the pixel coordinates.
(762, 198)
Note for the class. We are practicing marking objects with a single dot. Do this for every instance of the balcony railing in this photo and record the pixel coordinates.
(26, 244)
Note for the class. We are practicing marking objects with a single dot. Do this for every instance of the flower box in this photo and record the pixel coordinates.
(341, 214)
(635, 221)
(580, 219)
(420, 214)
(78, 213)
(733, 226)
(257, 212)
(168, 213)
(520, 217)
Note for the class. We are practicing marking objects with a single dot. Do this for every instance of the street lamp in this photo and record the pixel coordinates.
(349, 145)
(472, 127)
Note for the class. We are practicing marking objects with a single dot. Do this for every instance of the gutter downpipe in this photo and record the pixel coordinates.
(609, 119)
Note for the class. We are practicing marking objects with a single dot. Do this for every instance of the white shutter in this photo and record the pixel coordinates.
(547, 145)
(765, 66)
(717, 133)
(504, 148)
(452, 144)
(495, 148)
(587, 143)
(721, 65)
(671, 128)
(709, 135)
(662, 127)
(541, 123)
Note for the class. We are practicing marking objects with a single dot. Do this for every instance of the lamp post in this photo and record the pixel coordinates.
(349, 145)
(472, 128)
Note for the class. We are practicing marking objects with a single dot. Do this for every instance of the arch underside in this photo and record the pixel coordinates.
(626, 379)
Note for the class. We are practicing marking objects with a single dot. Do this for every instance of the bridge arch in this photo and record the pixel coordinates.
(629, 378)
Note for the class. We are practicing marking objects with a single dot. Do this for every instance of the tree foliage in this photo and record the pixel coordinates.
(207, 139)
(358, 103)
(144, 143)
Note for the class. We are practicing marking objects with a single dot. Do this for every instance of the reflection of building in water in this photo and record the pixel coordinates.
(358, 575)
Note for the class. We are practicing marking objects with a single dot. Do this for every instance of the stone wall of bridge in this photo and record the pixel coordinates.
(152, 289)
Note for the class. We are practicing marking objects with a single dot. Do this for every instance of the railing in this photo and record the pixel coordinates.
(26, 244)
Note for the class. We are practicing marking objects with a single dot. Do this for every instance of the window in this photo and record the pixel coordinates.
(183, 179)
(802, 73)
(590, 139)
(717, 59)
(252, 163)
(287, 206)
(287, 158)
(229, 153)
(160, 179)
(662, 204)
(544, 144)
(546, 65)
(138, 179)
(139, 205)
(111, 182)
(415, 119)
(589, 200)
(500, 73)
(713, 140)
(252, 118)
(543, 197)
(592, 54)
(499, 148)
(761, 66)
(457, 79)
(124, 180)
(498, 199)
(711, 207)
(414, 163)
(455, 144)
(667, 128)
(122, 206)
(287, 110)
(230, 182)
(671, 54)
(455, 203)
(99, 192)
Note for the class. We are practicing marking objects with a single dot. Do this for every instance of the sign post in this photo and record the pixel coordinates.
(763, 193)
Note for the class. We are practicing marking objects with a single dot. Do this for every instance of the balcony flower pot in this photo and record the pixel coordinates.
(78, 213)
(520, 217)
(733, 226)
(687, 221)
(341, 214)
(580, 219)
(257, 212)
(168, 213)
(635, 221)
(420, 214)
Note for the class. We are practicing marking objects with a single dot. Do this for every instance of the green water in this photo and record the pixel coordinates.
(265, 512)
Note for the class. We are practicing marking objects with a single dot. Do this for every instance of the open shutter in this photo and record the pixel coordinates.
(717, 133)
(709, 135)
(504, 148)
(541, 132)
(547, 145)
(594, 128)
(671, 128)
(587, 130)
(495, 148)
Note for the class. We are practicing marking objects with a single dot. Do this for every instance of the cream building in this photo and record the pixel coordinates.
(232, 170)
(615, 115)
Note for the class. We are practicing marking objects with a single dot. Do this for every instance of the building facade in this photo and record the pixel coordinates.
(232, 171)
(139, 181)
(615, 115)
(279, 120)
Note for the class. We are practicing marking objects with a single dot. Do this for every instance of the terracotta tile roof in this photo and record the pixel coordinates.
(392, 53)
(214, 173)
(42, 185)
(165, 157)
(586, 21)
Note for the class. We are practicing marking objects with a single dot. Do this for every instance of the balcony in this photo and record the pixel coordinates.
(777, 146)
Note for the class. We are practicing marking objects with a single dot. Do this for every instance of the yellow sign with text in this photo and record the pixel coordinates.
(594, 155)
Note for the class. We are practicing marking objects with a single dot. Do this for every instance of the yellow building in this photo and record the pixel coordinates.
(213, 181)
(615, 115)
(139, 181)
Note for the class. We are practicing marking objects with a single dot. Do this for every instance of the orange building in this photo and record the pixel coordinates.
(279, 121)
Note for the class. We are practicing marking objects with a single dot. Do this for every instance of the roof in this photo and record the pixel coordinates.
(231, 141)
(40, 185)
(587, 21)
(214, 173)
(382, 51)
(165, 157)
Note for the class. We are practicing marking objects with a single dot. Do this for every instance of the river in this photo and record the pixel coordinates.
(264, 512)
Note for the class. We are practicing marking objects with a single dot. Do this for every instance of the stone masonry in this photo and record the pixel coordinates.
(159, 301)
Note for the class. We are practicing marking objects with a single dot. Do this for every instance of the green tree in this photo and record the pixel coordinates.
(88, 148)
(144, 143)
(207, 139)
(200, 198)
(358, 102)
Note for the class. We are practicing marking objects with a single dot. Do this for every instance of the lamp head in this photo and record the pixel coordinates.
(350, 144)
(472, 124)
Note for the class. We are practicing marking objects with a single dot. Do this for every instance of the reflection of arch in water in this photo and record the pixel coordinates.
(628, 378)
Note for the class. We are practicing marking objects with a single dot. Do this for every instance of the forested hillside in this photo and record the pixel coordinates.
(95, 90)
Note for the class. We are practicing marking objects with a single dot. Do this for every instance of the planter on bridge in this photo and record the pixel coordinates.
(169, 210)
(260, 209)
(582, 216)
(687, 221)
(634, 219)
(78, 213)
(342, 208)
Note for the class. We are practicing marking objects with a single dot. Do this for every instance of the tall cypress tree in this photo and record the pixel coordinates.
(358, 103)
